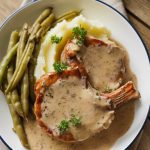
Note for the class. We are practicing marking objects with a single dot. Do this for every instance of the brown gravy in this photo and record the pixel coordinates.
(105, 66)
(39, 140)
(69, 96)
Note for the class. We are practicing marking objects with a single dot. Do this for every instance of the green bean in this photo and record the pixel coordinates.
(17, 123)
(39, 33)
(31, 37)
(22, 42)
(16, 103)
(48, 21)
(25, 93)
(24, 83)
(6, 60)
(32, 65)
(13, 40)
(43, 15)
(15, 97)
(67, 16)
(14, 37)
(68, 13)
(9, 73)
(20, 69)
(45, 26)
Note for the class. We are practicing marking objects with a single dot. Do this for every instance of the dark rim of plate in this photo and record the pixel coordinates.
(35, 1)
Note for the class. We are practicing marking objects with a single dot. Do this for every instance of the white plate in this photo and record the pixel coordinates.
(121, 30)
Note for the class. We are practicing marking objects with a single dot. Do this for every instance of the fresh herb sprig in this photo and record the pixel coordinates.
(56, 39)
(59, 67)
(75, 121)
(64, 126)
(79, 33)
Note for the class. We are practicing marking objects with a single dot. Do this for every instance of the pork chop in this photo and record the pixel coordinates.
(102, 60)
(69, 109)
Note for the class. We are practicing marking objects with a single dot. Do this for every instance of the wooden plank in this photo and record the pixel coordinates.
(143, 30)
(145, 140)
(135, 144)
(140, 8)
(7, 7)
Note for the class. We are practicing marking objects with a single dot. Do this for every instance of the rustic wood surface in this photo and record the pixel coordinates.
(139, 14)
(7, 7)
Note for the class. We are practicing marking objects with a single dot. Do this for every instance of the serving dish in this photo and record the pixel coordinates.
(121, 30)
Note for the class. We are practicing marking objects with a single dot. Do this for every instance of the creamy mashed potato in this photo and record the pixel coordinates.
(49, 53)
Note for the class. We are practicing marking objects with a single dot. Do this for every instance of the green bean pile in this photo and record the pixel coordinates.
(18, 65)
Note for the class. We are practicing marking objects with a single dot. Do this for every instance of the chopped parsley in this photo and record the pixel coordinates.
(79, 33)
(55, 39)
(64, 126)
(59, 67)
(75, 121)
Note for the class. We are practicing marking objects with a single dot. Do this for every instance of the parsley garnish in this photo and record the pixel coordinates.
(64, 126)
(75, 121)
(59, 67)
(79, 33)
(55, 39)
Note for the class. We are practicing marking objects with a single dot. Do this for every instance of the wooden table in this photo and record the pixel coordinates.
(139, 14)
